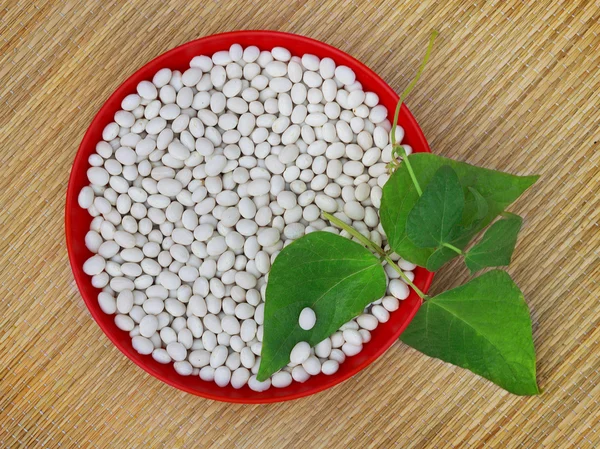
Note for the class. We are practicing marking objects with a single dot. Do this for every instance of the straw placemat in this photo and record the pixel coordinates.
(512, 86)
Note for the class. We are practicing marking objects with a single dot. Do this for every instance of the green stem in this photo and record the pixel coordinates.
(413, 177)
(452, 247)
(413, 83)
(396, 114)
(376, 248)
(403, 96)
(354, 233)
(405, 278)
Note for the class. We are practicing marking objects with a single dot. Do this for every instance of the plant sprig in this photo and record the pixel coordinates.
(431, 209)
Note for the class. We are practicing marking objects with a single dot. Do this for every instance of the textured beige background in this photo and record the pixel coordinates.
(513, 85)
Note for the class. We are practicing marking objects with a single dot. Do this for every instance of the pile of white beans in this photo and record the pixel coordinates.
(201, 180)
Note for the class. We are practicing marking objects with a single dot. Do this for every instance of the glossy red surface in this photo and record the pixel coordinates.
(77, 220)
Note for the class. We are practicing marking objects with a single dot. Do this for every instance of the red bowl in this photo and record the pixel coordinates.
(77, 220)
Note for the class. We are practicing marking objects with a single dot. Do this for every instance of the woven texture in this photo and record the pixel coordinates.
(512, 85)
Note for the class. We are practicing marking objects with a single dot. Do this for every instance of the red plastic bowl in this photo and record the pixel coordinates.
(77, 220)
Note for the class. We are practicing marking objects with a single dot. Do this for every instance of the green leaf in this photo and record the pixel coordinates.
(476, 208)
(399, 197)
(497, 245)
(483, 326)
(440, 257)
(434, 217)
(480, 206)
(332, 275)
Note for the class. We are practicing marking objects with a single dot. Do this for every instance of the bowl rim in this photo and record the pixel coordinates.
(71, 201)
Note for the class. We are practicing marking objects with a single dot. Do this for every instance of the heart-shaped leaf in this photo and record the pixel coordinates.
(399, 196)
(483, 326)
(433, 219)
(334, 276)
(497, 245)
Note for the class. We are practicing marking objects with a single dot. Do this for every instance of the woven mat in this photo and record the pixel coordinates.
(511, 86)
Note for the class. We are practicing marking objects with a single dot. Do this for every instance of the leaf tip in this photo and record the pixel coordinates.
(532, 180)
(261, 376)
(532, 390)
